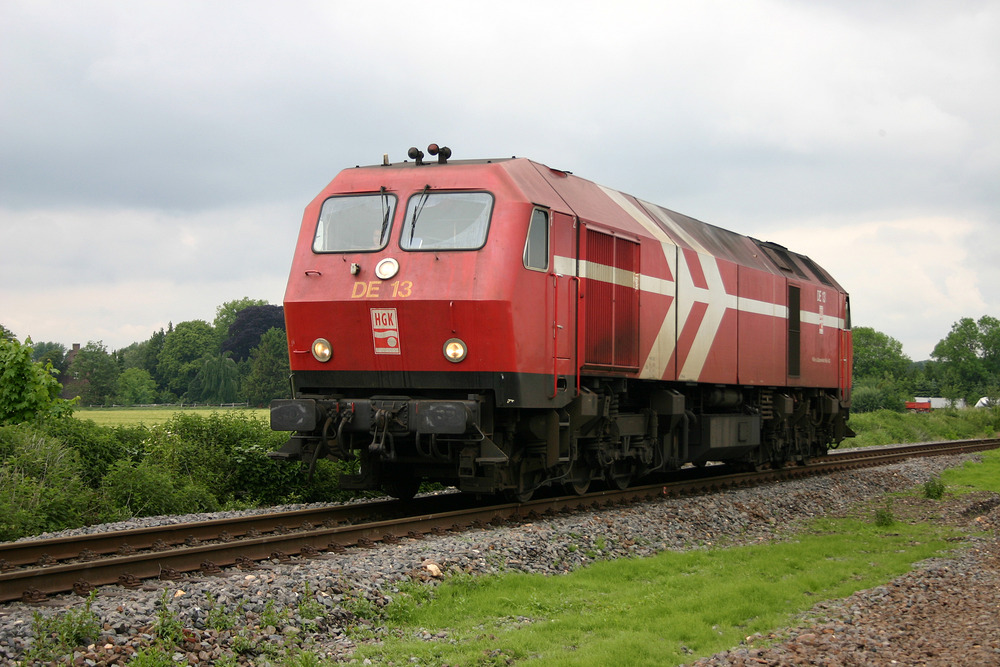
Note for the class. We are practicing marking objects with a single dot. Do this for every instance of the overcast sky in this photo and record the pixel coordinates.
(155, 157)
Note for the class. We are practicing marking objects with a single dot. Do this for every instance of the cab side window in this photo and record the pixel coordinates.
(536, 247)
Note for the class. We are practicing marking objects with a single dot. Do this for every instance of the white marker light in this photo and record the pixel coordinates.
(387, 268)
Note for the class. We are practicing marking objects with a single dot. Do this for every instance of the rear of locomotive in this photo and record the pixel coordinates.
(407, 285)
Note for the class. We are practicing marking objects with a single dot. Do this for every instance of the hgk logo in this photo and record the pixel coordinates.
(385, 330)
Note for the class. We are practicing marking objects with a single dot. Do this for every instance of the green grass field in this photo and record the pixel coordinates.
(665, 610)
(150, 416)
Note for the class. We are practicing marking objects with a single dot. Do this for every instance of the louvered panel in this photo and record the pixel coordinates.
(600, 298)
(612, 334)
(626, 303)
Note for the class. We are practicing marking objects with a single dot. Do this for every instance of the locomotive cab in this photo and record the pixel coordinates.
(407, 309)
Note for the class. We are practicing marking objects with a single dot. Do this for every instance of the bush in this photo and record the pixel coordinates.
(98, 446)
(67, 473)
(934, 488)
(261, 479)
(224, 452)
(149, 489)
(884, 516)
(41, 485)
(132, 439)
(869, 396)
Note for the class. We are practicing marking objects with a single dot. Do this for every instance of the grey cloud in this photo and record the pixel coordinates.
(183, 139)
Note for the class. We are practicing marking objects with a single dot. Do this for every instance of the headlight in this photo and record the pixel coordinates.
(455, 350)
(321, 349)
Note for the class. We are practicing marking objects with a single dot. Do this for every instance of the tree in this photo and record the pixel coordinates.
(969, 355)
(989, 340)
(151, 354)
(54, 353)
(182, 354)
(877, 355)
(226, 314)
(218, 381)
(250, 325)
(135, 386)
(269, 370)
(27, 388)
(6, 334)
(94, 374)
(131, 356)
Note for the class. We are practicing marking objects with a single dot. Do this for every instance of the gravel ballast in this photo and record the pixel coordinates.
(944, 612)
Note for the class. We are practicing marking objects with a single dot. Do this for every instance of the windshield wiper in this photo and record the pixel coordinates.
(416, 211)
(385, 215)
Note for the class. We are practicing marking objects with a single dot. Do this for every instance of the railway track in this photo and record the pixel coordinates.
(31, 570)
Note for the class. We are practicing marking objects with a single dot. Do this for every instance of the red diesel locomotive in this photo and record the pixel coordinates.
(499, 325)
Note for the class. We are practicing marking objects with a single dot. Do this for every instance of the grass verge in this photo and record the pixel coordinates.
(664, 610)
(885, 427)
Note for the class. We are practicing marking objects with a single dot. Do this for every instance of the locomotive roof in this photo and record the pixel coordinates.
(594, 202)
(434, 162)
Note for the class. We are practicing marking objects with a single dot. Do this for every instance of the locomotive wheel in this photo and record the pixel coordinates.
(579, 480)
(620, 474)
(525, 481)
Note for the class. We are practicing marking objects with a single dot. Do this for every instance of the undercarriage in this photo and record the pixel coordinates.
(613, 432)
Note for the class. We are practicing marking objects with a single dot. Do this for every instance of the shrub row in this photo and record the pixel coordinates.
(65, 473)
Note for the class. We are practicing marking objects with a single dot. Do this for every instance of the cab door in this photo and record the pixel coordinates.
(565, 285)
(846, 352)
(551, 249)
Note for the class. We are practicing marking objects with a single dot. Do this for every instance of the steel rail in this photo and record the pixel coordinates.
(32, 583)
(124, 542)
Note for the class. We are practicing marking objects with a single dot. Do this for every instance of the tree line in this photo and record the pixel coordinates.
(242, 356)
(965, 365)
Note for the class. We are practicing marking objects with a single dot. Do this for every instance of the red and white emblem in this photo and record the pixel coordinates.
(385, 330)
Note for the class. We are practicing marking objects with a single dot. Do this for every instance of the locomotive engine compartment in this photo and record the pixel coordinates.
(501, 326)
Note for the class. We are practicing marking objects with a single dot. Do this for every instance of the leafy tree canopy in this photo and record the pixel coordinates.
(131, 356)
(94, 374)
(183, 350)
(27, 389)
(269, 370)
(151, 354)
(877, 355)
(135, 387)
(218, 381)
(970, 353)
(249, 326)
(54, 353)
(226, 314)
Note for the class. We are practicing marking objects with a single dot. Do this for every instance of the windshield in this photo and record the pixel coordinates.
(447, 221)
(354, 223)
